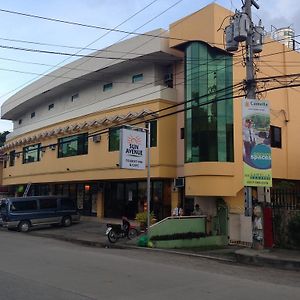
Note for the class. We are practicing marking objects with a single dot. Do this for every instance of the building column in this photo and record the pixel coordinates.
(100, 204)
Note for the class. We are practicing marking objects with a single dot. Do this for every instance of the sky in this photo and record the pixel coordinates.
(20, 68)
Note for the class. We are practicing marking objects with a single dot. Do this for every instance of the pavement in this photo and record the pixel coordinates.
(91, 232)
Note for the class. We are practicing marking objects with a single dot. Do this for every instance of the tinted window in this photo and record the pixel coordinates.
(73, 145)
(48, 203)
(23, 205)
(107, 87)
(137, 77)
(114, 139)
(67, 204)
(275, 137)
(31, 153)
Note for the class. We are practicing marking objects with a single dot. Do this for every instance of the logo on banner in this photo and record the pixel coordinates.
(133, 149)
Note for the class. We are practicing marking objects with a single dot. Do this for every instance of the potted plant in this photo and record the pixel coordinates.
(141, 217)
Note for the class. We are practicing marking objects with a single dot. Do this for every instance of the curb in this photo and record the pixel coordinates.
(260, 261)
(255, 259)
(126, 246)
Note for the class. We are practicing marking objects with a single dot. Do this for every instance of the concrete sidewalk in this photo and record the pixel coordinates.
(92, 233)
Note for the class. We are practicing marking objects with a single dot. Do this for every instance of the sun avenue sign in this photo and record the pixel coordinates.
(132, 149)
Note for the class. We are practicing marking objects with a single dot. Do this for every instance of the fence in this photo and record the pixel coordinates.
(285, 205)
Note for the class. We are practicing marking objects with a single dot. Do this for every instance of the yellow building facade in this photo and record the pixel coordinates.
(150, 86)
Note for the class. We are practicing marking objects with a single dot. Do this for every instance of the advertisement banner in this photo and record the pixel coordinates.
(256, 143)
(132, 149)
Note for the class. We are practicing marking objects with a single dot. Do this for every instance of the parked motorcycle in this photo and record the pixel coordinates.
(117, 231)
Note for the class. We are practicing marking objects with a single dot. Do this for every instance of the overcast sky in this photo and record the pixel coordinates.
(104, 13)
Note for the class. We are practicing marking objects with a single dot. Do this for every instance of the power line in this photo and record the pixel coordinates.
(171, 107)
(151, 82)
(64, 46)
(134, 89)
(106, 130)
(173, 5)
(99, 38)
(92, 26)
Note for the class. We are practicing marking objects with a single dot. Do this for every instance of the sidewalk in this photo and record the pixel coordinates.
(92, 233)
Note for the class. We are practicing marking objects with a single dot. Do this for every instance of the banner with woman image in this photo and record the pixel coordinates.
(256, 143)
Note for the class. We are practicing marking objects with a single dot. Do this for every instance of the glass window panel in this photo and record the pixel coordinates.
(114, 139)
(31, 153)
(209, 129)
(73, 145)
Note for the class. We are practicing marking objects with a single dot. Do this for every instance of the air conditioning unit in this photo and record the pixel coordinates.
(97, 138)
(179, 182)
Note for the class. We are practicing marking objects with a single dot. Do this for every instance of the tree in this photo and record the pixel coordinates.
(3, 137)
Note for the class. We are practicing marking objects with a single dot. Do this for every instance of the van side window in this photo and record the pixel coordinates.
(23, 205)
(67, 204)
(48, 203)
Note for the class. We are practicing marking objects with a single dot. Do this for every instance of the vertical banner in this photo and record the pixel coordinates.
(132, 149)
(256, 143)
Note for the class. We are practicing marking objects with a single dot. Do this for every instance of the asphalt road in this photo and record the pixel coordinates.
(40, 268)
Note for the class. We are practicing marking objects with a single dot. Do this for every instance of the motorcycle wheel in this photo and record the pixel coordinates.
(112, 236)
(132, 233)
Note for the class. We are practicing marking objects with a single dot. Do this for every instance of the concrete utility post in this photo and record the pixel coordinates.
(250, 82)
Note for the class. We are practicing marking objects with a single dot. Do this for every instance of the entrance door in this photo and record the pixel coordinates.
(87, 203)
(89, 199)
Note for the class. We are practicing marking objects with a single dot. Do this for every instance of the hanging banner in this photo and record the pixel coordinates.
(132, 149)
(256, 143)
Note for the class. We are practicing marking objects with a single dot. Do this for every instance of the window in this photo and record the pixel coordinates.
(23, 205)
(73, 145)
(5, 157)
(12, 155)
(20, 121)
(31, 153)
(153, 134)
(107, 87)
(75, 97)
(137, 78)
(275, 137)
(51, 106)
(114, 139)
(182, 133)
(208, 123)
(32, 115)
(48, 203)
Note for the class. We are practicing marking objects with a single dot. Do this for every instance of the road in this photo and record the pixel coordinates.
(38, 268)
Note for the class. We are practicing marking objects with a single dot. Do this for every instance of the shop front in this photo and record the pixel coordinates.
(130, 197)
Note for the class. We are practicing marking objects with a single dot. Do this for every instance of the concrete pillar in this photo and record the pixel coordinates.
(100, 205)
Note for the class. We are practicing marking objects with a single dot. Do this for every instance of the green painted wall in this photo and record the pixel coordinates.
(178, 225)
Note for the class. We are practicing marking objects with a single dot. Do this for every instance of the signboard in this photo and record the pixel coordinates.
(256, 143)
(132, 149)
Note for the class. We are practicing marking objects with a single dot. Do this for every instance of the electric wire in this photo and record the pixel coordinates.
(134, 89)
(106, 130)
(164, 11)
(99, 38)
(93, 26)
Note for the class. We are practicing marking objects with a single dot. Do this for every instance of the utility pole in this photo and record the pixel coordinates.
(250, 82)
(242, 29)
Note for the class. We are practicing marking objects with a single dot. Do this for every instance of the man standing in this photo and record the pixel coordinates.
(249, 138)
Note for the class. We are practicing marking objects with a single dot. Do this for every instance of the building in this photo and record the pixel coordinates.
(66, 141)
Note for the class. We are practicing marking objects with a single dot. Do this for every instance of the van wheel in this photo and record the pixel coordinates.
(66, 221)
(24, 226)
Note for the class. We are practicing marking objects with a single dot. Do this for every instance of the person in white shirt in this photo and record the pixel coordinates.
(249, 138)
(177, 211)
